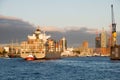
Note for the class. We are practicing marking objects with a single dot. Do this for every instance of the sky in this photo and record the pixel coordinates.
(63, 13)
(77, 20)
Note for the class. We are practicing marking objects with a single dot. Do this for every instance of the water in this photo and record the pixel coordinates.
(84, 68)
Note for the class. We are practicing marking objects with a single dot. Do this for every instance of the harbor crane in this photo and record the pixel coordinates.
(115, 49)
(114, 34)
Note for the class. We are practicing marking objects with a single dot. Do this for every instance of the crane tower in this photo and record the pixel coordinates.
(115, 49)
(114, 34)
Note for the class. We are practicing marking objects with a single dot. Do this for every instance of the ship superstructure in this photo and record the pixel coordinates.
(41, 46)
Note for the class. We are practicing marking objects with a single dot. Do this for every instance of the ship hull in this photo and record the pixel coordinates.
(53, 55)
(49, 55)
(36, 55)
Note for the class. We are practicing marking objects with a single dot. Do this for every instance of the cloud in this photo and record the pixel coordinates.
(9, 17)
(51, 28)
(14, 29)
(73, 28)
(68, 28)
(92, 31)
(75, 37)
(80, 35)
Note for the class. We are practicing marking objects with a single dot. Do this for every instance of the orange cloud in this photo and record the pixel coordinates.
(74, 28)
(52, 28)
(93, 31)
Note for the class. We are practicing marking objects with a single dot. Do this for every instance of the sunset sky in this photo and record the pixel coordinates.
(63, 13)
(78, 20)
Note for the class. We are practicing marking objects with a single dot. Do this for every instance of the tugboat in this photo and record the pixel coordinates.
(30, 57)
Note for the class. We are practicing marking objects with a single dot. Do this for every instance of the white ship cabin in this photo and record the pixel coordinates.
(35, 43)
(39, 35)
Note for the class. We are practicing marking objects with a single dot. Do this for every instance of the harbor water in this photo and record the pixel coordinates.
(80, 68)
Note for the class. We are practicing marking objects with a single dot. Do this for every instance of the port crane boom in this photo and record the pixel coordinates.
(114, 34)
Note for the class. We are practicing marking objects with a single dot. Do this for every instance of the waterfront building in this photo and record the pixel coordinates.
(57, 47)
(85, 50)
(85, 44)
(7, 49)
(68, 53)
(103, 39)
(1, 49)
(105, 51)
(101, 44)
(97, 42)
(64, 44)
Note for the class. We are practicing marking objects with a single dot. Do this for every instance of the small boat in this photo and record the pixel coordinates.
(30, 57)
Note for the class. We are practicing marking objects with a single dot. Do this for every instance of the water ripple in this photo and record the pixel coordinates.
(83, 68)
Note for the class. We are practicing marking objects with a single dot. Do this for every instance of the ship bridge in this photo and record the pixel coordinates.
(38, 34)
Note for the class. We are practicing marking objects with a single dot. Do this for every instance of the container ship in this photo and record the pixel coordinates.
(41, 46)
